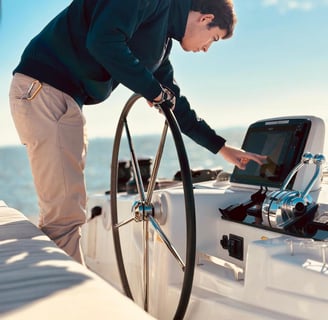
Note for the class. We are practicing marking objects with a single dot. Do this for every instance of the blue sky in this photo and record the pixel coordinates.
(276, 64)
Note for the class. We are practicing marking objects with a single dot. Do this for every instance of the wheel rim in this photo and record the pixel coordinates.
(143, 207)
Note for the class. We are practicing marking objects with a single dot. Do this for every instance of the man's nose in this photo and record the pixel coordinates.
(206, 47)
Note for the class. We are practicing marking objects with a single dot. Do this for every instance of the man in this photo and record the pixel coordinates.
(79, 58)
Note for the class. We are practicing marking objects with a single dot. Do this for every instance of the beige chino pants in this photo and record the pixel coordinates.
(52, 126)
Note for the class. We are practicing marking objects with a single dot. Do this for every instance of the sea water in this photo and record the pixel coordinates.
(16, 182)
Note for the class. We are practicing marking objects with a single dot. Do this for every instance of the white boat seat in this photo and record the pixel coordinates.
(39, 281)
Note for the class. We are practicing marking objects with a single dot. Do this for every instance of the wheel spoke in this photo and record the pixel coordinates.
(146, 264)
(152, 181)
(123, 223)
(135, 164)
(167, 242)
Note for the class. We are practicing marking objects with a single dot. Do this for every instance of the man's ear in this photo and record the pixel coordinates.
(206, 18)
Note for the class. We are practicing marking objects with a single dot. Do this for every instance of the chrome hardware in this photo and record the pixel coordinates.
(281, 208)
(30, 95)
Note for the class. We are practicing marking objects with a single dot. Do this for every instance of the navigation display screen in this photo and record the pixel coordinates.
(283, 141)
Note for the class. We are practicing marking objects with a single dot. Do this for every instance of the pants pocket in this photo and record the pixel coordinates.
(72, 135)
(23, 91)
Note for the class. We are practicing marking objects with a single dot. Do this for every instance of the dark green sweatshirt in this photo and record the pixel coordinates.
(94, 45)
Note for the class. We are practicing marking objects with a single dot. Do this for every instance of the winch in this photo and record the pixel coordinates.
(284, 207)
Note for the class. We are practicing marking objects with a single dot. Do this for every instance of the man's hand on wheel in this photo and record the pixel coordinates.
(165, 99)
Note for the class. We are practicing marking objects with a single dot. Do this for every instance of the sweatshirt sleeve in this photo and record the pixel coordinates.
(190, 124)
(111, 27)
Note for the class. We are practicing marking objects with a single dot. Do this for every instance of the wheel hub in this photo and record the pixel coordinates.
(141, 211)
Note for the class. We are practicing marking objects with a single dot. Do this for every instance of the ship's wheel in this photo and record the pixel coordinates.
(144, 212)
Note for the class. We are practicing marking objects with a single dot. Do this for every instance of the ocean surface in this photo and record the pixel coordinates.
(16, 183)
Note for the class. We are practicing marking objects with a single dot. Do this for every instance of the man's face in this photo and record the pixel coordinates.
(198, 37)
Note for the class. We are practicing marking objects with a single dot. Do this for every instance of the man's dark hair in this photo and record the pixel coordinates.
(223, 11)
